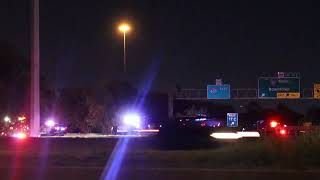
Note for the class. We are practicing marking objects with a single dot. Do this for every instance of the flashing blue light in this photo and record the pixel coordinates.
(200, 119)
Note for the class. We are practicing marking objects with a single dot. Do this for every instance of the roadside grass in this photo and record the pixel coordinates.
(298, 153)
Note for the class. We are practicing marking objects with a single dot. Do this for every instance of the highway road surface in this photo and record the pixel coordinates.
(91, 173)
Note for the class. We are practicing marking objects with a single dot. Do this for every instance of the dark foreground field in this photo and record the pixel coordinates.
(153, 158)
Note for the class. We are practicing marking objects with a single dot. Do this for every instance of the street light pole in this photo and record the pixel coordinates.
(124, 52)
(124, 28)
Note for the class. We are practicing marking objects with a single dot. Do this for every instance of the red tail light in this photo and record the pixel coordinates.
(283, 132)
(274, 124)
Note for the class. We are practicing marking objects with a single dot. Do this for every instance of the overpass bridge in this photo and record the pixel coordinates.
(240, 98)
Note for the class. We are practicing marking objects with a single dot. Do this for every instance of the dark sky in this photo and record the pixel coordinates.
(184, 42)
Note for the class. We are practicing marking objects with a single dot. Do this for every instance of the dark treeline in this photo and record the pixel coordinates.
(97, 109)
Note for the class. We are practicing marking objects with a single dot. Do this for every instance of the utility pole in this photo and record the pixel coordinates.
(35, 72)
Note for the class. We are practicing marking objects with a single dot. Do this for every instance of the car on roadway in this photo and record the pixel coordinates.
(272, 127)
(51, 128)
(199, 121)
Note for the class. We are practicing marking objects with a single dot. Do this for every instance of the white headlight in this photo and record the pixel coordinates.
(133, 120)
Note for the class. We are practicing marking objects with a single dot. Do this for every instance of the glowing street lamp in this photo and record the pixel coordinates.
(124, 28)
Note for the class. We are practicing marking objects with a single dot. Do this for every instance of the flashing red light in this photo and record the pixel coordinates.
(283, 132)
(20, 135)
(21, 118)
(274, 124)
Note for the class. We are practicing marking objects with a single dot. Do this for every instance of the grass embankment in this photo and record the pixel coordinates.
(300, 153)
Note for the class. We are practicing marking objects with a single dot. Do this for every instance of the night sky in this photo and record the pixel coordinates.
(184, 42)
